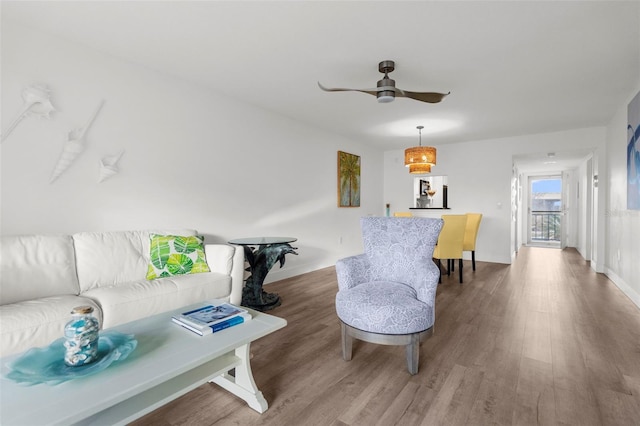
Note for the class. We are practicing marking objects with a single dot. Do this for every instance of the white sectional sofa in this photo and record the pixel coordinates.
(42, 277)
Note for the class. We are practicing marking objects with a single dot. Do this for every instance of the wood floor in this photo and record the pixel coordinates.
(542, 341)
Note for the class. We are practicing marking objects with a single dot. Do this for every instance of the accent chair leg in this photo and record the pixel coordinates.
(473, 259)
(460, 264)
(413, 354)
(347, 343)
(439, 271)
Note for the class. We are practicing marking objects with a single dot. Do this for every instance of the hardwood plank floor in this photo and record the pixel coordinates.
(542, 341)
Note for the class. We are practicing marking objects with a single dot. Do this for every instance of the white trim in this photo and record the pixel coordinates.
(624, 287)
(598, 267)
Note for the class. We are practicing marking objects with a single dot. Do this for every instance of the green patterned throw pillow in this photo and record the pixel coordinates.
(175, 255)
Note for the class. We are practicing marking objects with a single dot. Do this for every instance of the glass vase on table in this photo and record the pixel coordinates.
(81, 337)
(431, 192)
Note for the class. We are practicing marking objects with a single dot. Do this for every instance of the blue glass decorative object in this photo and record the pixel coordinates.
(81, 337)
(46, 365)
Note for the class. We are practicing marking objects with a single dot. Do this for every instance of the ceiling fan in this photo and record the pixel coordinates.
(386, 89)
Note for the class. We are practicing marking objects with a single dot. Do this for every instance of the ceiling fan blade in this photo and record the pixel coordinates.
(430, 97)
(373, 92)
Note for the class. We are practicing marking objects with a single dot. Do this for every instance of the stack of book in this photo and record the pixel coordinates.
(211, 318)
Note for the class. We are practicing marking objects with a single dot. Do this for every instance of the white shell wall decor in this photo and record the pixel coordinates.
(36, 103)
(109, 166)
(73, 147)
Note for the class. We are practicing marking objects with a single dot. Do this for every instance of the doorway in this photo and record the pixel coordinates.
(546, 218)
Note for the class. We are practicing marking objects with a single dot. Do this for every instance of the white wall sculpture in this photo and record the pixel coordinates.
(36, 103)
(73, 147)
(109, 166)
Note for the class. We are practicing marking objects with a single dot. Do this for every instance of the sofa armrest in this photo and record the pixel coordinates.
(229, 260)
(352, 271)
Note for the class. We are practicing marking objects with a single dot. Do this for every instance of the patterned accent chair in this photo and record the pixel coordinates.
(387, 295)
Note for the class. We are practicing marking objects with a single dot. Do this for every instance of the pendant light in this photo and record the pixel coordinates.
(420, 158)
(419, 169)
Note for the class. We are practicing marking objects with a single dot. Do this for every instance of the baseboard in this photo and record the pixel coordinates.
(624, 287)
(277, 273)
(584, 255)
(598, 267)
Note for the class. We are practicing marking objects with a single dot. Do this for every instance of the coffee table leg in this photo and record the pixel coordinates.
(243, 385)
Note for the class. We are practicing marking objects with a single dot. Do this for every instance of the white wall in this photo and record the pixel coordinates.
(184, 147)
(479, 175)
(623, 226)
(192, 159)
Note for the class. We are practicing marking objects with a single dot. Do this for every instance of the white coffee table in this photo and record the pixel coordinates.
(168, 362)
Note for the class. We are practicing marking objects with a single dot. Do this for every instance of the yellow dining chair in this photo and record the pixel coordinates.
(402, 214)
(471, 234)
(450, 242)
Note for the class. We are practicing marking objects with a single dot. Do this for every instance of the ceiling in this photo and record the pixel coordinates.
(512, 67)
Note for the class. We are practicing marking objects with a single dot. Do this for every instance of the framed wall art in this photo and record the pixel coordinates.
(348, 180)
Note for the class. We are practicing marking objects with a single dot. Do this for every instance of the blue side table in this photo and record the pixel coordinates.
(261, 260)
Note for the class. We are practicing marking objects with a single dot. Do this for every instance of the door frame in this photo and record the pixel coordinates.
(563, 227)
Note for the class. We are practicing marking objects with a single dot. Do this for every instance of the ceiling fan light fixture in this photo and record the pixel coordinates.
(386, 96)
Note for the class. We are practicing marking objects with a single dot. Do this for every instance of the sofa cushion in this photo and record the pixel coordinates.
(143, 298)
(176, 255)
(37, 266)
(36, 323)
(107, 259)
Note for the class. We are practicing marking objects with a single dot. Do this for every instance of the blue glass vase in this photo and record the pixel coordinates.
(81, 337)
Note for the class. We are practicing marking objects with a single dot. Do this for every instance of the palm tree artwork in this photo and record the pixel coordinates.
(348, 180)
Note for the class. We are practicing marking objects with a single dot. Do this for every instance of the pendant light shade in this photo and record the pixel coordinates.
(424, 155)
(420, 155)
(419, 169)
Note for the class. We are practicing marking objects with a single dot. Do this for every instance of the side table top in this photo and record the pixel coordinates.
(251, 241)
